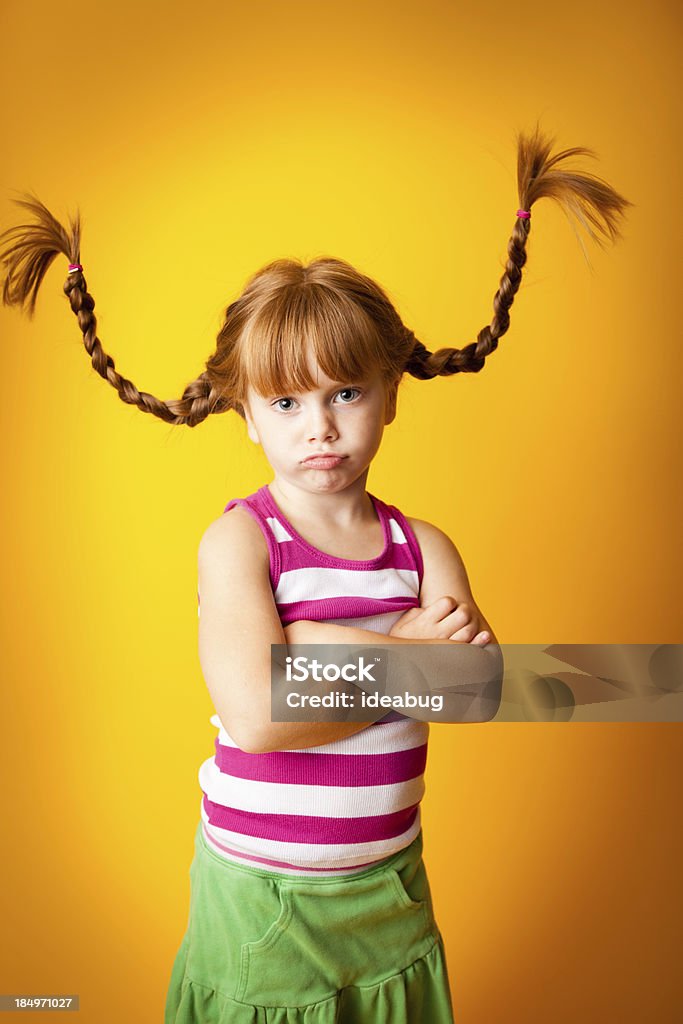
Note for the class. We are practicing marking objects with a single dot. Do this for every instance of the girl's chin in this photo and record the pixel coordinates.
(327, 479)
(324, 480)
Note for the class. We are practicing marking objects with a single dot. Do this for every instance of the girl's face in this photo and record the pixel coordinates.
(343, 420)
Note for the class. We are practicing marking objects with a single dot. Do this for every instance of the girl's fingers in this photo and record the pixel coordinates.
(459, 619)
(464, 632)
(441, 609)
(481, 639)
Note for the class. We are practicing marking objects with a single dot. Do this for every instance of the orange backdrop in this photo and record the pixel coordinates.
(199, 143)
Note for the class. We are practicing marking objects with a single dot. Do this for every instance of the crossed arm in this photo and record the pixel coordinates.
(447, 612)
(239, 622)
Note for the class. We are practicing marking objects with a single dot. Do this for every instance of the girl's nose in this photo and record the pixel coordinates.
(321, 426)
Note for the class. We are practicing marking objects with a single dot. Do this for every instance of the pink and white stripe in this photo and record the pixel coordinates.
(335, 808)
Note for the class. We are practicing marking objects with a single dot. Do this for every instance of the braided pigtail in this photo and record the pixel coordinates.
(30, 250)
(287, 304)
(582, 195)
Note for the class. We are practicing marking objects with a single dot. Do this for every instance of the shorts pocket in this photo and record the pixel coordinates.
(329, 937)
(230, 910)
(403, 894)
(412, 886)
(251, 951)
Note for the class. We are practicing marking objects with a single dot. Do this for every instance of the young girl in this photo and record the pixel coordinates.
(310, 903)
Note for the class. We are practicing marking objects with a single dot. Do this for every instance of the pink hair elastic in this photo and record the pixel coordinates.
(73, 267)
(524, 213)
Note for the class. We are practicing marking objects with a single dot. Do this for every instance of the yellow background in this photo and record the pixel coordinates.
(200, 141)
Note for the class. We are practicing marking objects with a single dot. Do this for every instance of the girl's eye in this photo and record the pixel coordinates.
(277, 404)
(349, 391)
(347, 395)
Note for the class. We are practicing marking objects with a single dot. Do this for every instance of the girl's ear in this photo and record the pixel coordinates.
(251, 427)
(390, 414)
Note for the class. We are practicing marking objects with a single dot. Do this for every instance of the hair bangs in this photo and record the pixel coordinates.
(315, 321)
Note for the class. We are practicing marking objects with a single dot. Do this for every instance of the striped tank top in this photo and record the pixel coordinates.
(335, 808)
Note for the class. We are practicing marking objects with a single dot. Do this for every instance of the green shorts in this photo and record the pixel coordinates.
(265, 948)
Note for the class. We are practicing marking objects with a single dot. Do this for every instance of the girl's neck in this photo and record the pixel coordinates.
(345, 509)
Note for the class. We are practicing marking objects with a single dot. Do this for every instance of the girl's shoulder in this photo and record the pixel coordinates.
(242, 520)
(418, 529)
(444, 569)
(242, 530)
(425, 531)
(234, 528)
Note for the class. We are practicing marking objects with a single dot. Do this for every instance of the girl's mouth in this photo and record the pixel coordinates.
(324, 461)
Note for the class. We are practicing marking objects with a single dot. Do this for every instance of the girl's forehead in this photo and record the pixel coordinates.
(287, 364)
(319, 377)
(321, 382)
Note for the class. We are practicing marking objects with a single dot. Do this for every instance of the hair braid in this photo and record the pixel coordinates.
(589, 199)
(32, 249)
(287, 305)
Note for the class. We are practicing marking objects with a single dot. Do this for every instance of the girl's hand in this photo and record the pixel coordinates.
(443, 619)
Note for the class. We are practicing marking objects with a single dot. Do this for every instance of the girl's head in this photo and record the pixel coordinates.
(321, 437)
(293, 320)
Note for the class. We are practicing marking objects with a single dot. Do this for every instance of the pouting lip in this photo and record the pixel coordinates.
(323, 455)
